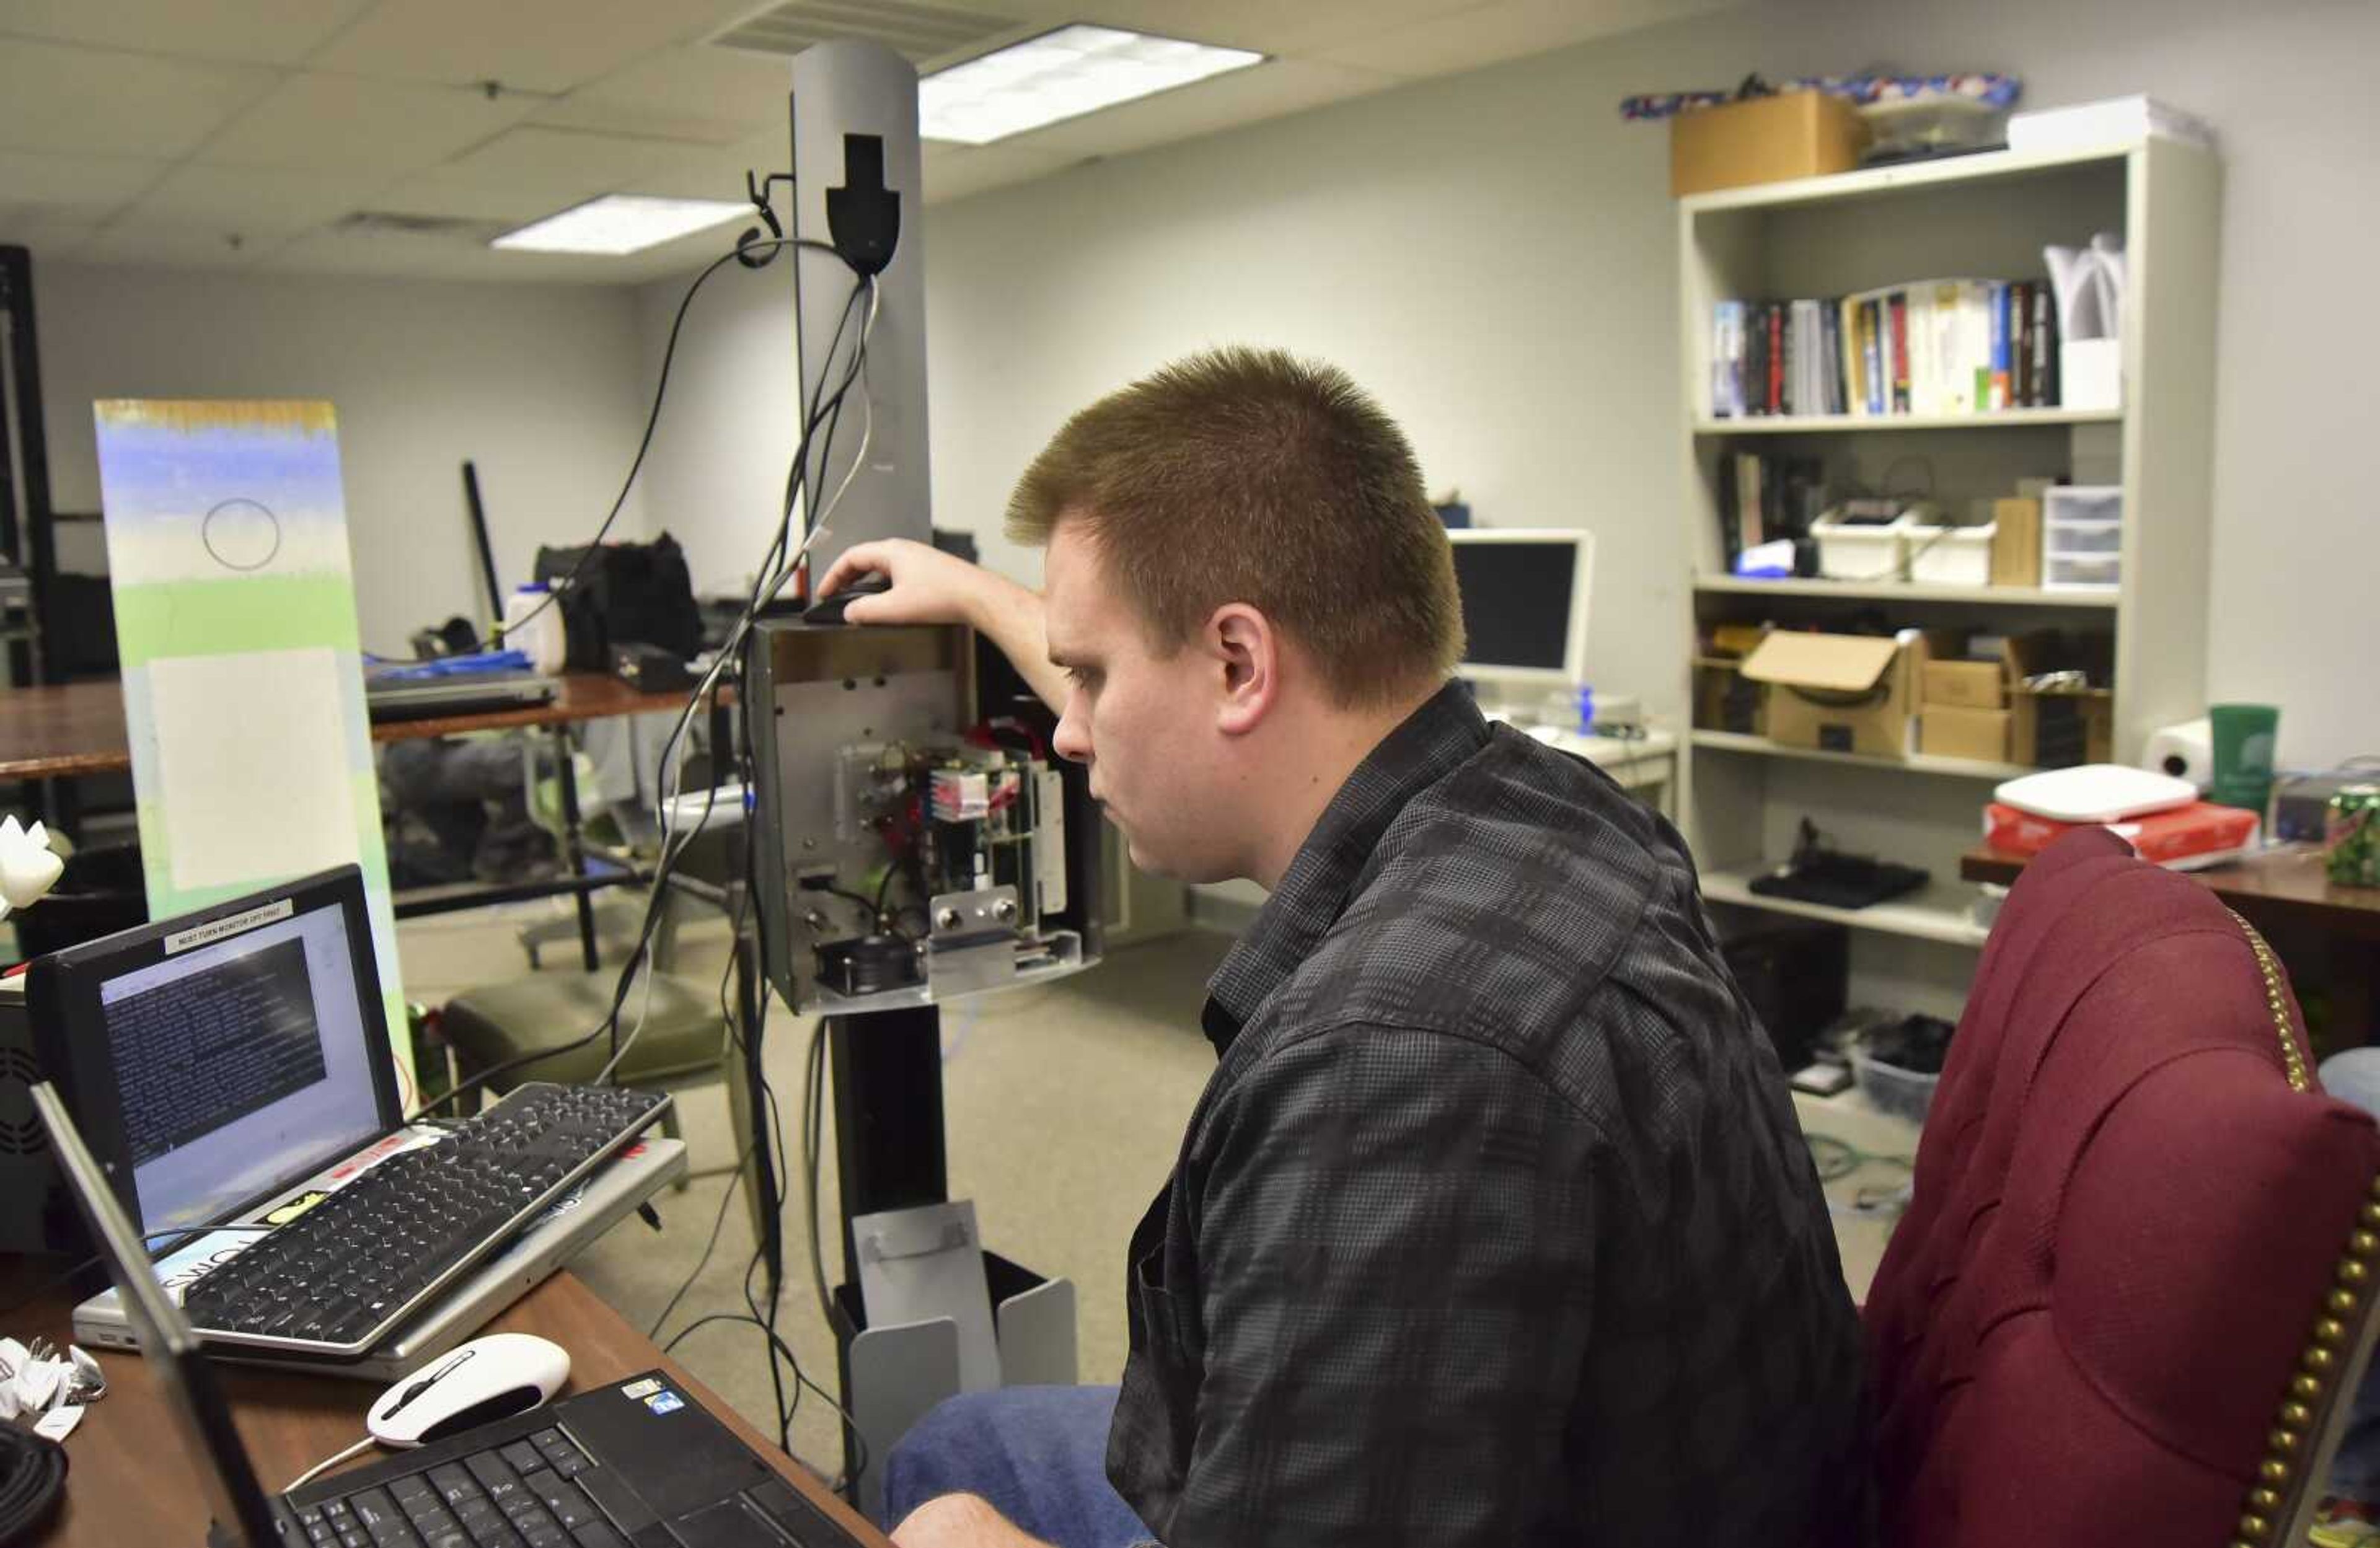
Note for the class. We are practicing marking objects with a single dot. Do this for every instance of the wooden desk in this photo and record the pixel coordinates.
(130, 1483)
(2328, 936)
(78, 728)
(2285, 886)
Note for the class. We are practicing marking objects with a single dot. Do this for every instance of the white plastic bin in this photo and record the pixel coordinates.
(2084, 537)
(2061, 504)
(1874, 552)
(1950, 555)
(2082, 572)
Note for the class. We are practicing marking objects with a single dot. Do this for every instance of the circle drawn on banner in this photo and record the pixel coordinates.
(240, 534)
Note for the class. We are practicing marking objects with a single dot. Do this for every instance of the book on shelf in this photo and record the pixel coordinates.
(1763, 496)
(1933, 347)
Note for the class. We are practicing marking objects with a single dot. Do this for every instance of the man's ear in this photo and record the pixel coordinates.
(1245, 649)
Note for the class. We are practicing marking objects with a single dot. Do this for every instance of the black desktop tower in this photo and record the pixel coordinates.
(36, 1215)
(1796, 972)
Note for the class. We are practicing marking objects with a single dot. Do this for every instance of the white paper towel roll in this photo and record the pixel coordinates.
(2186, 752)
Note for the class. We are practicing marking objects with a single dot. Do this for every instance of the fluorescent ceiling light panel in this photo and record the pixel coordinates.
(1061, 74)
(617, 223)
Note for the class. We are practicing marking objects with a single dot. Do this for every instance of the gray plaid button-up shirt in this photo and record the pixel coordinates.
(1495, 1224)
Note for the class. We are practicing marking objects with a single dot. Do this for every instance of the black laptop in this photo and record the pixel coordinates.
(631, 1462)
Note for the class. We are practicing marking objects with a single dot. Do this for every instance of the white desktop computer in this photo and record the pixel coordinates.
(1525, 606)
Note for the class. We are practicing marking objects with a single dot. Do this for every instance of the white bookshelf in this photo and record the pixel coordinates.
(1845, 424)
(1983, 215)
(1937, 912)
(1916, 763)
(1910, 595)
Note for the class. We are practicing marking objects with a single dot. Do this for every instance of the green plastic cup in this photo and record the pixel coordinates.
(2245, 735)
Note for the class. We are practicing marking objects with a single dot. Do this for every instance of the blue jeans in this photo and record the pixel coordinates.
(1039, 1454)
(2354, 1076)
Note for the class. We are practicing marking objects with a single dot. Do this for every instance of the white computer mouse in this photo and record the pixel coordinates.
(486, 1379)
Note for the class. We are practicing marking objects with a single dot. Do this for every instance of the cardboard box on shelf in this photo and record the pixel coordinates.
(1966, 685)
(1839, 692)
(1764, 139)
(1950, 731)
(2016, 547)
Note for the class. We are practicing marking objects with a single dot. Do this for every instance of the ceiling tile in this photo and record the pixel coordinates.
(529, 173)
(252, 203)
(429, 257)
(92, 184)
(1504, 30)
(956, 171)
(100, 102)
(565, 164)
(1265, 90)
(49, 232)
(699, 93)
(344, 124)
(532, 45)
(1267, 26)
(152, 246)
(257, 31)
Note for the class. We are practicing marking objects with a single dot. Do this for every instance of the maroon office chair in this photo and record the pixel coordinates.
(2136, 1275)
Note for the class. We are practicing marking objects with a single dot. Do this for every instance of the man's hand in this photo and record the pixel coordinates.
(960, 1521)
(931, 587)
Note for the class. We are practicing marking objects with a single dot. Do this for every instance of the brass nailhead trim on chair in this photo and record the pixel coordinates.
(2319, 1358)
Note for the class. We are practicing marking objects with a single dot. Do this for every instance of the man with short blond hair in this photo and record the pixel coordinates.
(1495, 1224)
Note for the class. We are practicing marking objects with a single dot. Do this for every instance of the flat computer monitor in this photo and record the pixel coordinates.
(215, 1058)
(1525, 592)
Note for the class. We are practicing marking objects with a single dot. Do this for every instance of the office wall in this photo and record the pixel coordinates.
(1494, 255)
(542, 385)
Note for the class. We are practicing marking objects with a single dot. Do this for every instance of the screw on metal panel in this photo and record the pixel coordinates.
(948, 919)
(1004, 910)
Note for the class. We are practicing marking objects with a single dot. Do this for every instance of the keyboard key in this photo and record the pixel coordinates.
(597, 1535)
(455, 1485)
(412, 1487)
(545, 1535)
(566, 1500)
(546, 1437)
(491, 1470)
(522, 1456)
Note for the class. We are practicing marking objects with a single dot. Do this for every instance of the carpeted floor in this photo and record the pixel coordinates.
(1063, 1109)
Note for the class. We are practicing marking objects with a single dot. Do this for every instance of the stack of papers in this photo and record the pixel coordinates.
(2116, 121)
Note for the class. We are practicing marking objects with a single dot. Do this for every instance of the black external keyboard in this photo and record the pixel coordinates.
(334, 1281)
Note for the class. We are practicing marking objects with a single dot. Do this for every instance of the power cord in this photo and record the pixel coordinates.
(652, 420)
(765, 588)
(33, 1480)
(326, 1464)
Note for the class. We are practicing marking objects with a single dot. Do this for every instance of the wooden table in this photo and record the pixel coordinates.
(77, 729)
(132, 1484)
(2285, 886)
(2285, 893)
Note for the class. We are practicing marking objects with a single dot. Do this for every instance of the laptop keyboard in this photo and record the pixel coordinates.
(521, 1496)
(347, 1271)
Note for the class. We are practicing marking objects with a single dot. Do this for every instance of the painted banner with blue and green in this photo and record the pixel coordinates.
(243, 680)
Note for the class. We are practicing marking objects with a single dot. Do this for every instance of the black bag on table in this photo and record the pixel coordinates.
(628, 594)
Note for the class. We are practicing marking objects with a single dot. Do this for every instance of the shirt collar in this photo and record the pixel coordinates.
(1314, 891)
